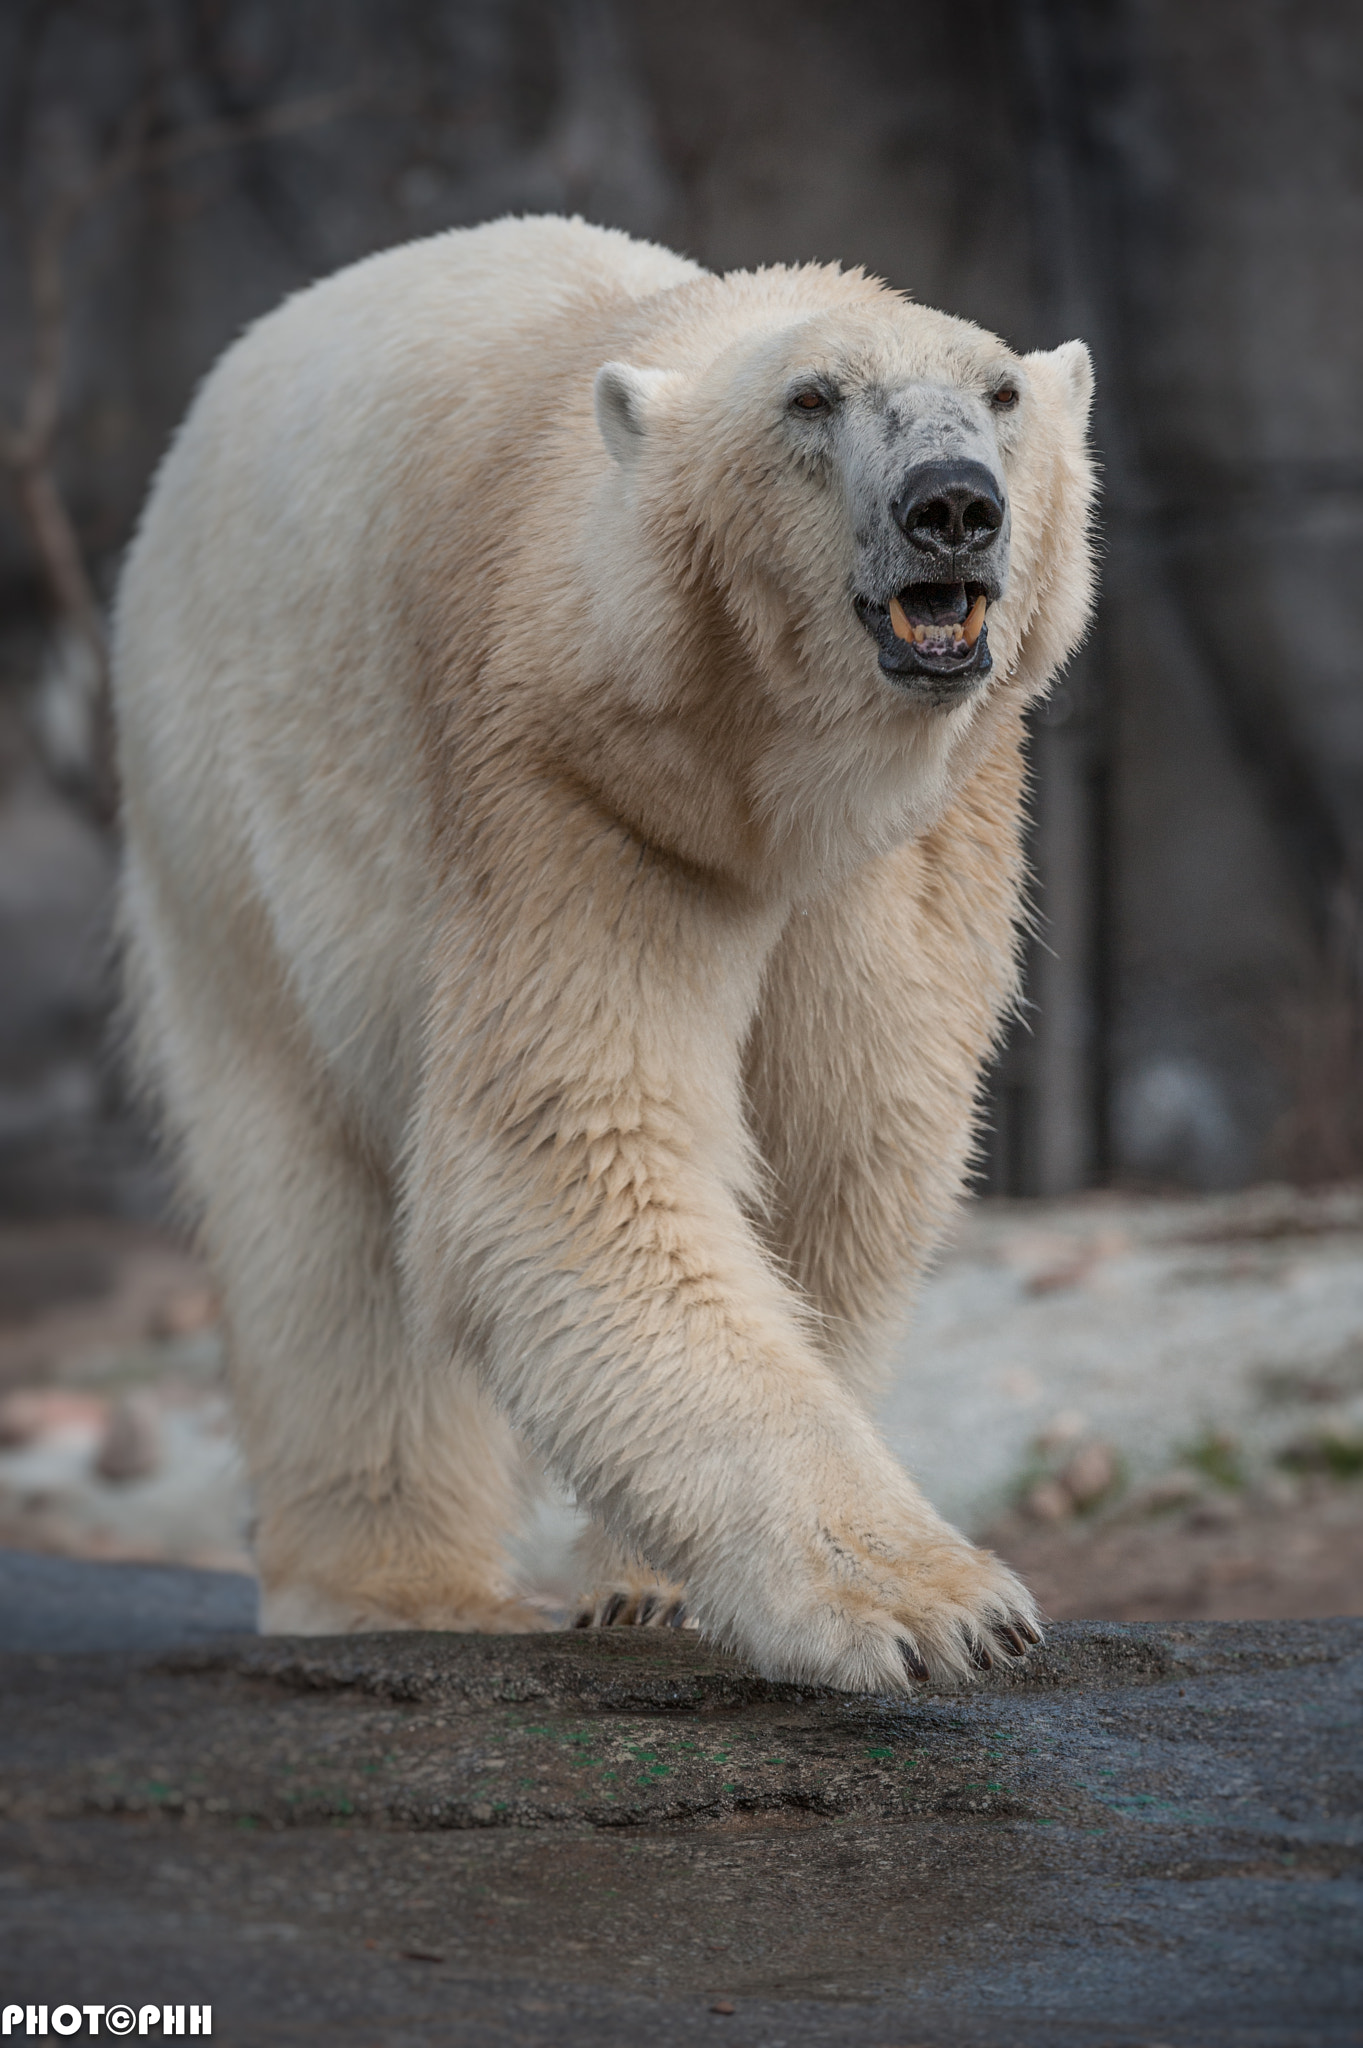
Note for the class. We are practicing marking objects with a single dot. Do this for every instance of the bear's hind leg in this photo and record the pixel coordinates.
(383, 1481)
(383, 1484)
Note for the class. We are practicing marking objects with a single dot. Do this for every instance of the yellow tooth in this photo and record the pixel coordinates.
(920, 633)
(902, 629)
(974, 621)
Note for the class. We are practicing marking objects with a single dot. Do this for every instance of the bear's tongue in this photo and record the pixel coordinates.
(938, 616)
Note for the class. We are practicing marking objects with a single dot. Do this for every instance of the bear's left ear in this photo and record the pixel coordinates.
(624, 399)
(1072, 366)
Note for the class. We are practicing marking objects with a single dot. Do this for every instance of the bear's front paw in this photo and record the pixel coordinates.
(958, 1610)
(893, 1617)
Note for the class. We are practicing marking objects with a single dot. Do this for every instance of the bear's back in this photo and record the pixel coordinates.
(492, 282)
(381, 346)
(396, 378)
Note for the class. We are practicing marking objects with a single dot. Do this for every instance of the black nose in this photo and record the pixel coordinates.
(945, 507)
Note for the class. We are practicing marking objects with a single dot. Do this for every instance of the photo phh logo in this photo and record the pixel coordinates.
(107, 2019)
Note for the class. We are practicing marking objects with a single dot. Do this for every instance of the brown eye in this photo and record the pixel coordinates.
(1005, 398)
(810, 401)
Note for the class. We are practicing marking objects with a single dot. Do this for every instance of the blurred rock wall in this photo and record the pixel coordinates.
(1178, 180)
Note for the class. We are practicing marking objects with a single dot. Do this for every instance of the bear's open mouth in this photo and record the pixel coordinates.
(930, 630)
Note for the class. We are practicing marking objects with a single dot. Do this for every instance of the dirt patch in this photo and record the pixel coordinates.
(1229, 1559)
(1222, 1561)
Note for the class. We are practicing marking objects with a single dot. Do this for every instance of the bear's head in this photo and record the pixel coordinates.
(882, 514)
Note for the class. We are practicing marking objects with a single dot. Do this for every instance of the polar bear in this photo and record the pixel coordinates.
(569, 712)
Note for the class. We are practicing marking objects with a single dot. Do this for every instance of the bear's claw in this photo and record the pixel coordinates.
(913, 1662)
(633, 1607)
(1015, 1636)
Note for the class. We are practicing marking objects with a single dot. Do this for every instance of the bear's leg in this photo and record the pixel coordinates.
(383, 1481)
(879, 1006)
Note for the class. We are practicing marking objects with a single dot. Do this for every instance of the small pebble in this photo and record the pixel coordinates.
(1088, 1474)
(131, 1448)
(1062, 1429)
(1047, 1502)
(721, 2005)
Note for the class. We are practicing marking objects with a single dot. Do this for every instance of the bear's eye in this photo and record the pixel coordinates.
(810, 400)
(1004, 398)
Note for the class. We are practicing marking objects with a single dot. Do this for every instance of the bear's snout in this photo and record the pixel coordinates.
(948, 509)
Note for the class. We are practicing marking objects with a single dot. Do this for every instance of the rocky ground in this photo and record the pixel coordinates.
(1154, 1408)
(1144, 1836)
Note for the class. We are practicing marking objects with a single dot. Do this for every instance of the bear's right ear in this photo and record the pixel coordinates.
(1074, 365)
(624, 398)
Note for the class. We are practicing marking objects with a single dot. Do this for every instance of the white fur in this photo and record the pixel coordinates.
(564, 959)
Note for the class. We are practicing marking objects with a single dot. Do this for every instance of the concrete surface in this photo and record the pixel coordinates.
(1152, 1835)
(64, 1604)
